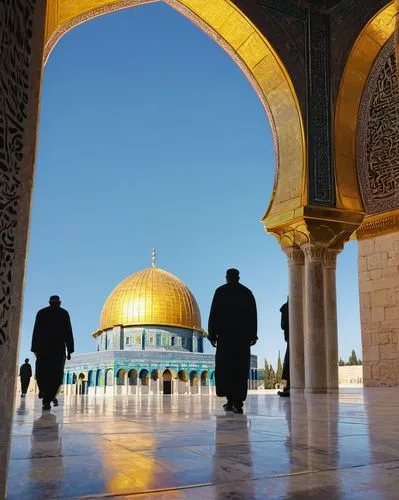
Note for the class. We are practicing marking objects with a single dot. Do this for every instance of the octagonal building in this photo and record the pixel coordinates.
(149, 340)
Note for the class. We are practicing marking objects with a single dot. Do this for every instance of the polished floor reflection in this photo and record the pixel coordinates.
(342, 446)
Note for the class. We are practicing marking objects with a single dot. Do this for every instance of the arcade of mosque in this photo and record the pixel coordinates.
(149, 341)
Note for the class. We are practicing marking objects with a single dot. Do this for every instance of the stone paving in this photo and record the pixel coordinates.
(342, 446)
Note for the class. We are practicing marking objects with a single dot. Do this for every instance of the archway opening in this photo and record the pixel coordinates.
(132, 376)
(182, 376)
(120, 377)
(204, 378)
(167, 382)
(144, 377)
(109, 377)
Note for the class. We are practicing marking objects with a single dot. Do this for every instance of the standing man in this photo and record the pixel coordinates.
(52, 335)
(25, 373)
(285, 326)
(232, 330)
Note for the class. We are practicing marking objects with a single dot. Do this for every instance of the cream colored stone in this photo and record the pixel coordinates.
(379, 298)
(391, 313)
(366, 247)
(377, 261)
(378, 314)
(362, 263)
(388, 351)
(382, 284)
(384, 338)
(371, 353)
(365, 300)
(366, 339)
(389, 271)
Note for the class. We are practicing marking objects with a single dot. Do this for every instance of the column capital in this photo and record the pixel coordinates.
(313, 253)
(330, 258)
(295, 256)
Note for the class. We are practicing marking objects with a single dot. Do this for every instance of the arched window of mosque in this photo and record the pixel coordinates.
(137, 339)
(173, 341)
(165, 340)
(127, 340)
(151, 339)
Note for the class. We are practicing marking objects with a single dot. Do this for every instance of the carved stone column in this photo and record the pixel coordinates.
(21, 55)
(315, 338)
(330, 313)
(295, 304)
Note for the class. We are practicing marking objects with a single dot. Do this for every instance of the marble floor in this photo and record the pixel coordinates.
(342, 446)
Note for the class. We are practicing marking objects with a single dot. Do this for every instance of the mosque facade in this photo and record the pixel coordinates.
(149, 341)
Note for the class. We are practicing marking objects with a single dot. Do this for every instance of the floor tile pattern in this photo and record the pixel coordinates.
(343, 446)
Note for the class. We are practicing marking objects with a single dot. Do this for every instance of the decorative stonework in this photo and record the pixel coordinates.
(295, 256)
(377, 140)
(378, 226)
(16, 20)
(330, 258)
(313, 253)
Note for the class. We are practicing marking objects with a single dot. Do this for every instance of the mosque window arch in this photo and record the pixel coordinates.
(132, 377)
(109, 377)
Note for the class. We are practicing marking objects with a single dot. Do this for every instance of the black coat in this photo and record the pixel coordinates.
(25, 372)
(233, 325)
(233, 310)
(52, 333)
(285, 324)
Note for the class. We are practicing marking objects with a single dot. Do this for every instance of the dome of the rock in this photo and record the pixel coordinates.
(151, 297)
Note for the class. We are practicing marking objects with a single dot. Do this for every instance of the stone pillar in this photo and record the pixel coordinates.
(296, 319)
(21, 65)
(314, 335)
(330, 314)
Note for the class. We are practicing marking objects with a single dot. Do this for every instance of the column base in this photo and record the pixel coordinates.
(297, 390)
(333, 390)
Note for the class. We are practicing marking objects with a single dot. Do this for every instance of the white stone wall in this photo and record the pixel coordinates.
(379, 309)
(350, 375)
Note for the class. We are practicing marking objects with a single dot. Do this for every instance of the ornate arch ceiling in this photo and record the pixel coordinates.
(229, 27)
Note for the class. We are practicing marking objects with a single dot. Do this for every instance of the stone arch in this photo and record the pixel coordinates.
(347, 110)
(255, 56)
(109, 377)
(167, 381)
(90, 378)
(99, 377)
(154, 375)
(204, 378)
(193, 378)
(132, 376)
(144, 377)
(212, 378)
(182, 375)
(120, 376)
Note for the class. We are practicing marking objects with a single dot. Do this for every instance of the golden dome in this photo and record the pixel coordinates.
(151, 297)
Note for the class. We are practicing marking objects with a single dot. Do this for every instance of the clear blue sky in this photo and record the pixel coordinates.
(150, 135)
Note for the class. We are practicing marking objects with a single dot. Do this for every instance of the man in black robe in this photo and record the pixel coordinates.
(52, 335)
(232, 330)
(285, 326)
(25, 373)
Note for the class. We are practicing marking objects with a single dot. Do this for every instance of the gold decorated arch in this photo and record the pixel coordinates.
(233, 31)
(360, 61)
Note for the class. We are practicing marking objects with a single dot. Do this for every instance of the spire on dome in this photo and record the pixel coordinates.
(154, 256)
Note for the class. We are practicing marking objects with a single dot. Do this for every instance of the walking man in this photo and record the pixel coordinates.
(285, 326)
(25, 373)
(232, 330)
(52, 336)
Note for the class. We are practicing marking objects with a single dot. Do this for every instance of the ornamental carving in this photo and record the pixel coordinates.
(16, 21)
(377, 141)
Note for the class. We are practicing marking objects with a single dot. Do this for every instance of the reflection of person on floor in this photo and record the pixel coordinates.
(285, 326)
(46, 442)
(52, 334)
(232, 460)
(25, 373)
(232, 330)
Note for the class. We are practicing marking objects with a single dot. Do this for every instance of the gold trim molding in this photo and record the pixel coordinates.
(378, 225)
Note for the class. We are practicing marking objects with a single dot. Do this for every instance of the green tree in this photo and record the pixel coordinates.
(279, 372)
(261, 374)
(353, 359)
(341, 362)
(270, 376)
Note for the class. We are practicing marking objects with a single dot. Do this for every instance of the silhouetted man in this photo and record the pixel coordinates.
(232, 330)
(25, 373)
(285, 326)
(52, 335)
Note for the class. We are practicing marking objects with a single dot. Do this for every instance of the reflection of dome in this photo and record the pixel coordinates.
(151, 297)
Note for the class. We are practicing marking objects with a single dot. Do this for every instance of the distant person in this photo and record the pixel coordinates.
(232, 330)
(25, 373)
(52, 336)
(285, 326)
